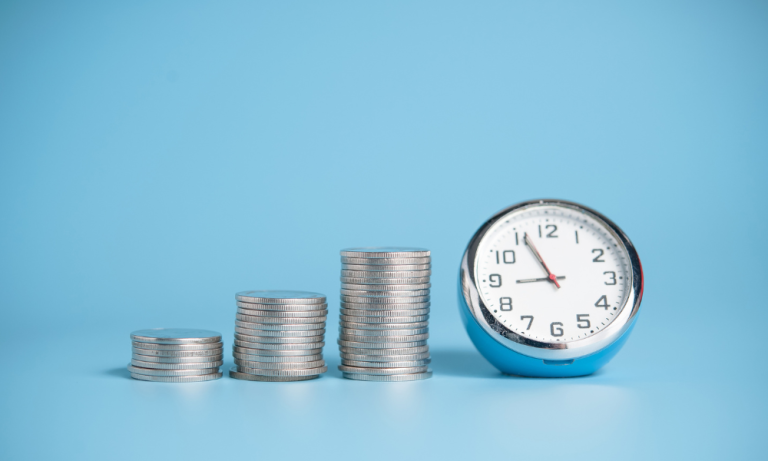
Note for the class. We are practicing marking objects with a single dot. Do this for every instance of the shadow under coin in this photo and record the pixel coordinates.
(462, 362)
(121, 372)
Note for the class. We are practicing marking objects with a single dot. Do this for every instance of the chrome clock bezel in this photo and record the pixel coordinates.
(551, 351)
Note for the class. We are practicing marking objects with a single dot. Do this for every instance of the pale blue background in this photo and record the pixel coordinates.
(157, 157)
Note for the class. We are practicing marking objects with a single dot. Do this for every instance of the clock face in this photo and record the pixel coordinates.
(528, 253)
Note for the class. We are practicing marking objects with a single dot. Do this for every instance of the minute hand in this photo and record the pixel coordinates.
(536, 254)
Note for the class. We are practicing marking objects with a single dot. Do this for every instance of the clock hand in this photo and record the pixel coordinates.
(530, 244)
(543, 279)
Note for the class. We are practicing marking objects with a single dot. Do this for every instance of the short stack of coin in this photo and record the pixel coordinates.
(176, 355)
(279, 335)
(383, 326)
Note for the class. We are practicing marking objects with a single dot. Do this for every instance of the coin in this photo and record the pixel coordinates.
(390, 339)
(385, 252)
(387, 333)
(383, 313)
(379, 274)
(280, 365)
(280, 334)
(372, 287)
(383, 326)
(390, 268)
(385, 352)
(176, 379)
(384, 320)
(161, 353)
(281, 314)
(380, 345)
(282, 307)
(233, 373)
(384, 294)
(377, 283)
(155, 372)
(385, 358)
(383, 300)
(281, 327)
(241, 340)
(406, 364)
(382, 371)
(387, 306)
(289, 359)
(175, 366)
(385, 261)
(245, 348)
(277, 320)
(407, 377)
(280, 297)
(175, 336)
(155, 359)
(273, 340)
(266, 372)
(177, 347)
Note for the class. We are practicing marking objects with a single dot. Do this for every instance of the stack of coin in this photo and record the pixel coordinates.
(176, 355)
(383, 326)
(279, 336)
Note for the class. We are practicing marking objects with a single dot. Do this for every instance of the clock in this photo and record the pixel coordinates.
(549, 288)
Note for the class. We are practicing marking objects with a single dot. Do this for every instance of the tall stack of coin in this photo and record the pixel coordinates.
(279, 335)
(176, 355)
(383, 326)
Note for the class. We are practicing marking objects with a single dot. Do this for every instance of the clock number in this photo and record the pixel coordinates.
(613, 277)
(495, 278)
(583, 321)
(505, 302)
(551, 234)
(507, 257)
(517, 242)
(577, 236)
(556, 328)
(539, 230)
(530, 320)
(597, 258)
(602, 302)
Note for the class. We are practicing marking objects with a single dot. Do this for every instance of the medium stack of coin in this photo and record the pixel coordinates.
(176, 355)
(279, 335)
(383, 327)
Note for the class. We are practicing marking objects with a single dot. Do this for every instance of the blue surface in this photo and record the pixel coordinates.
(157, 157)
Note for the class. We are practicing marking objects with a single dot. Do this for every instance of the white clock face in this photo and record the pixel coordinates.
(575, 251)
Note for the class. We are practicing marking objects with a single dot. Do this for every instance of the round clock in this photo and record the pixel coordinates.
(549, 288)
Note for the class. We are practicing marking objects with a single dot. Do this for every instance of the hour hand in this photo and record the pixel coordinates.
(542, 279)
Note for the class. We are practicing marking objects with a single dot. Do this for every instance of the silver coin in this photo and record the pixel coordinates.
(385, 261)
(281, 326)
(176, 379)
(396, 274)
(387, 306)
(282, 307)
(385, 252)
(389, 378)
(278, 320)
(243, 342)
(389, 339)
(176, 366)
(273, 340)
(387, 288)
(155, 359)
(383, 326)
(176, 347)
(282, 314)
(382, 371)
(384, 358)
(388, 333)
(379, 283)
(245, 348)
(383, 320)
(383, 300)
(280, 334)
(279, 365)
(265, 372)
(154, 372)
(383, 268)
(384, 294)
(175, 336)
(383, 313)
(161, 353)
(233, 373)
(269, 359)
(280, 297)
(380, 345)
(385, 352)
(411, 363)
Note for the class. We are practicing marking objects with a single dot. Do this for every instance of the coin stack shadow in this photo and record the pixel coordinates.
(279, 336)
(176, 355)
(383, 326)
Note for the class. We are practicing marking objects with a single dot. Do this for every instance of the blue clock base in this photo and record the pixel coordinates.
(512, 363)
